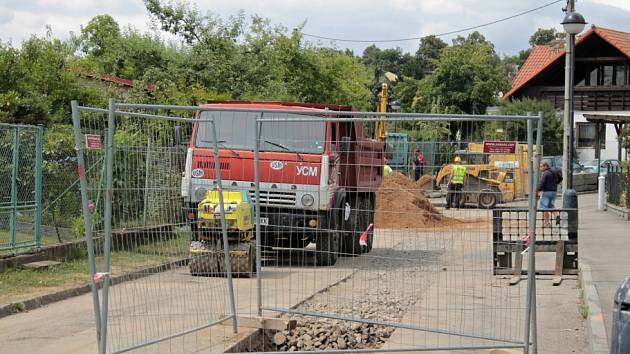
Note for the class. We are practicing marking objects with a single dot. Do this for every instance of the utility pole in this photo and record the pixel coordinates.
(567, 141)
(573, 24)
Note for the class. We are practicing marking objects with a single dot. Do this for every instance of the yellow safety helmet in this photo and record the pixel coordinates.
(458, 159)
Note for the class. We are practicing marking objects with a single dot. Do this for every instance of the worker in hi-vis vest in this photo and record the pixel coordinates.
(455, 184)
(386, 169)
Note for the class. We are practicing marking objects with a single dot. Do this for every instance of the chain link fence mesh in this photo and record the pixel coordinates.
(20, 187)
(340, 253)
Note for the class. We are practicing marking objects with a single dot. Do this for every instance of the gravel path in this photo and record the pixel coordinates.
(373, 292)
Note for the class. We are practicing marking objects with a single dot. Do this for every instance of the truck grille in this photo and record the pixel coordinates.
(210, 165)
(274, 198)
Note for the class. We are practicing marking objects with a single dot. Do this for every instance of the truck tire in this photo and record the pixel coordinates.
(327, 248)
(367, 207)
(487, 199)
(328, 242)
(195, 233)
(352, 229)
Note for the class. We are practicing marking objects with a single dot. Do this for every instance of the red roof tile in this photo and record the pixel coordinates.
(540, 57)
(618, 39)
(543, 56)
(118, 80)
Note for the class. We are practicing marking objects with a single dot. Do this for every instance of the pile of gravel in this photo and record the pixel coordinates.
(318, 334)
(370, 303)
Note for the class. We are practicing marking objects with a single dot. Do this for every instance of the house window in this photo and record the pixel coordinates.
(587, 136)
(620, 75)
(592, 77)
(607, 75)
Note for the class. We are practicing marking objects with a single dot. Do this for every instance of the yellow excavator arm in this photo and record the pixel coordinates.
(380, 134)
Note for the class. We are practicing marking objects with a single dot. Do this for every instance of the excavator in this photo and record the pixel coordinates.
(490, 178)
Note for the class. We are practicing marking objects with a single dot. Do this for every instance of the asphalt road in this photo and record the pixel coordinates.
(443, 275)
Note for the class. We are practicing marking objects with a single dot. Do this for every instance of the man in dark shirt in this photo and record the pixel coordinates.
(418, 164)
(546, 190)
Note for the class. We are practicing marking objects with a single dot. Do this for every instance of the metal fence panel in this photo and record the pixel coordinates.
(20, 187)
(618, 186)
(339, 257)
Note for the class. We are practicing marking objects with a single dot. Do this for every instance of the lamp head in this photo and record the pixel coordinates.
(573, 23)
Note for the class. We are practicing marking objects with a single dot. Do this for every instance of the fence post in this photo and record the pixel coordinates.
(258, 236)
(38, 185)
(536, 177)
(146, 183)
(107, 222)
(14, 172)
(601, 192)
(78, 145)
(626, 177)
(226, 247)
(530, 313)
(531, 271)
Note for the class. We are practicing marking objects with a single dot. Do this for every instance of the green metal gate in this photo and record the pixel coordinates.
(20, 186)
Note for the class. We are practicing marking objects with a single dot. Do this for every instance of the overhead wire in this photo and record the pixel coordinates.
(436, 35)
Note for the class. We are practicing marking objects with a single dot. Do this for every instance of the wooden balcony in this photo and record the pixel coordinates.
(591, 98)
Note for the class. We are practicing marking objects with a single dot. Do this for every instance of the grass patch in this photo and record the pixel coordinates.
(583, 309)
(22, 284)
(21, 238)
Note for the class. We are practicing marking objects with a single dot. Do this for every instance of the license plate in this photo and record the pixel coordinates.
(264, 221)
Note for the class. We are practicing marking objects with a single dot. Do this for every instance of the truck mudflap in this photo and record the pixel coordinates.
(208, 258)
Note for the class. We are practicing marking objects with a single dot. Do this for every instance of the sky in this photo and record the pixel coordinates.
(353, 19)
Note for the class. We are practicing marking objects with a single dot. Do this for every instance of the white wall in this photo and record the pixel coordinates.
(610, 152)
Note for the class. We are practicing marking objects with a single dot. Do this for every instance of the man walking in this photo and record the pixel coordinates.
(418, 164)
(546, 190)
(456, 183)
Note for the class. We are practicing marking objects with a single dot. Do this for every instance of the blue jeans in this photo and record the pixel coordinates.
(546, 199)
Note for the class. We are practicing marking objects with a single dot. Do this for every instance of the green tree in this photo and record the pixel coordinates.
(429, 53)
(545, 36)
(512, 63)
(101, 33)
(393, 60)
(38, 82)
(467, 79)
(552, 124)
(256, 60)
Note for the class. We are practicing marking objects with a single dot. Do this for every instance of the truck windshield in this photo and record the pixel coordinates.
(237, 130)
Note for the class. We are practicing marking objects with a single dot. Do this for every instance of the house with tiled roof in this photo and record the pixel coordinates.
(602, 87)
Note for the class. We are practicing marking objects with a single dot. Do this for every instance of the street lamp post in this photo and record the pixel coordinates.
(573, 24)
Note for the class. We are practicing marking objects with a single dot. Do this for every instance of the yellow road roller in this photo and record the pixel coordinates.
(207, 252)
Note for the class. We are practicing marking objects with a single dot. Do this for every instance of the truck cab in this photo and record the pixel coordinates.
(317, 177)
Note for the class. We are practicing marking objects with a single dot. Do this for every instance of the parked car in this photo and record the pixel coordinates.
(604, 166)
(556, 162)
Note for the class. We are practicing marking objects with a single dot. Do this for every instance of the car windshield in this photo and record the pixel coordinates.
(590, 163)
(237, 130)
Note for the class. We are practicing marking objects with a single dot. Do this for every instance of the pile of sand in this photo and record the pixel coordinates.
(401, 204)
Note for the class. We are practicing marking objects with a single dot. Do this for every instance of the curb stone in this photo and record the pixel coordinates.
(598, 340)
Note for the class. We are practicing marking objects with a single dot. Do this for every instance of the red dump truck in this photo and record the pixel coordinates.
(317, 178)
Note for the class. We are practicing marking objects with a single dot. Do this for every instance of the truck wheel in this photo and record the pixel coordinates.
(327, 248)
(352, 229)
(328, 242)
(487, 200)
(194, 232)
(367, 214)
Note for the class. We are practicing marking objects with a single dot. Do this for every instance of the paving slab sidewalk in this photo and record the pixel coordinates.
(605, 247)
